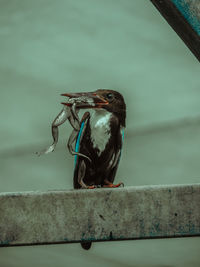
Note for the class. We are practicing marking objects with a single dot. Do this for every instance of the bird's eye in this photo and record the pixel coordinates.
(109, 96)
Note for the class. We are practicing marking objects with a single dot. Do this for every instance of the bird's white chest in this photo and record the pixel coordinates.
(100, 129)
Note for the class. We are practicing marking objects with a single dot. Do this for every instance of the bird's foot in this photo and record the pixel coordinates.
(110, 185)
(90, 186)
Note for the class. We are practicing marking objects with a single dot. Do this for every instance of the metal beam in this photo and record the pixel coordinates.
(184, 17)
(33, 218)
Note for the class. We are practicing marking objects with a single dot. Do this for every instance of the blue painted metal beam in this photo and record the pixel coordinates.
(190, 9)
(184, 18)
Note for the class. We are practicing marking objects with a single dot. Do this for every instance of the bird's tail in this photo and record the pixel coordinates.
(86, 245)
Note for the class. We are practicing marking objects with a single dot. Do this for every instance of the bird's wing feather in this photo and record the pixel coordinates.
(117, 156)
(83, 123)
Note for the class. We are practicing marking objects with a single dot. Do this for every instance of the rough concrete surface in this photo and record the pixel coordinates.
(99, 215)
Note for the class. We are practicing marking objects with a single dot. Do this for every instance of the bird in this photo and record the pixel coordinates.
(100, 139)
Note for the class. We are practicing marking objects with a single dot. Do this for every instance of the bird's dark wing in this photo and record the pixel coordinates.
(116, 156)
(84, 122)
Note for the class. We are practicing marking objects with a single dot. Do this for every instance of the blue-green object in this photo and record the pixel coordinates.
(78, 141)
(184, 17)
(190, 9)
(123, 135)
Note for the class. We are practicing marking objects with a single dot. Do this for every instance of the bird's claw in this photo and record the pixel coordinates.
(110, 185)
(89, 187)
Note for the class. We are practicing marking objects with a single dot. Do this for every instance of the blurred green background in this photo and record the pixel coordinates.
(51, 47)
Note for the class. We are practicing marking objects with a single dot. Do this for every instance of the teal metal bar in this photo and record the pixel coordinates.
(184, 17)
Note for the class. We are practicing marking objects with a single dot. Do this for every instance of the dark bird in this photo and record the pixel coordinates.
(100, 139)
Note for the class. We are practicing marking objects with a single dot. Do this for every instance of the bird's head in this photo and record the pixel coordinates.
(107, 99)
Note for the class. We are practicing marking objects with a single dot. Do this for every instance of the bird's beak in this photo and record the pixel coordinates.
(85, 100)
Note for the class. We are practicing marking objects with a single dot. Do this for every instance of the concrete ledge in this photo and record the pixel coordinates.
(33, 218)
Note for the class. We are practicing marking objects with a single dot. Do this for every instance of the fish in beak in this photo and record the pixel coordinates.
(85, 100)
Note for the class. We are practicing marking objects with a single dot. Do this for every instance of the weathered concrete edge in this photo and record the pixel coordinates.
(94, 191)
(162, 221)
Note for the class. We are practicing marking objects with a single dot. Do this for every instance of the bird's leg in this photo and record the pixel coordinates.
(111, 185)
(60, 119)
(81, 175)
